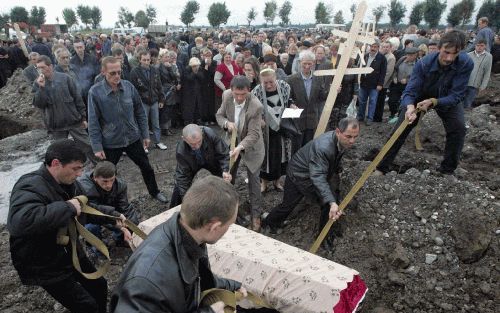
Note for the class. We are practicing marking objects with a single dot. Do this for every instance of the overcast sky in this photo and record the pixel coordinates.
(302, 11)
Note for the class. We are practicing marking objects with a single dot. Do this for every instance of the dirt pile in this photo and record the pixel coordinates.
(491, 94)
(16, 106)
(422, 241)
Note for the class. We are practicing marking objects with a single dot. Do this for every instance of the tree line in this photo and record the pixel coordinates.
(428, 11)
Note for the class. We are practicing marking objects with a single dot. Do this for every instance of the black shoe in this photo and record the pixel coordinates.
(267, 229)
(161, 197)
(328, 245)
(242, 221)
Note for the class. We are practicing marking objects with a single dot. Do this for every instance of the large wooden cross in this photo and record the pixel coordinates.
(346, 50)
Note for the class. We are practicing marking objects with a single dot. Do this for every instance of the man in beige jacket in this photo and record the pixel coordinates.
(242, 112)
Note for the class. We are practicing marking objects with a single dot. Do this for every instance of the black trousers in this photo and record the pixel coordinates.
(454, 125)
(292, 196)
(395, 97)
(301, 140)
(379, 109)
(135, 151)
(79, 294)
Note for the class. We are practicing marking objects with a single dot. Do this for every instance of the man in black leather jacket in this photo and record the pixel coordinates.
(170, 269)
(40, 204)
(313, 172)
(199, 148)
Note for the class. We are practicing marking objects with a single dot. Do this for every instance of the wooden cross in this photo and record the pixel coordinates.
(21, 40)
(347, 48)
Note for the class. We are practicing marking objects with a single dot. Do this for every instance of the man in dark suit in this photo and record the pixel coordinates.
(308, 92)
(371, 83)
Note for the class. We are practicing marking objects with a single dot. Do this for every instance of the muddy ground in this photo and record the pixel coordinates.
(423, 242)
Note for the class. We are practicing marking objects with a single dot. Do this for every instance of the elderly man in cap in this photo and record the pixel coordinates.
(401, 77)
(371, 83)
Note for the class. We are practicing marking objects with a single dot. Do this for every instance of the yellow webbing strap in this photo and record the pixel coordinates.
(418, 142)
(233, 146)
(74, 228)
(361, 181)
(230, 298)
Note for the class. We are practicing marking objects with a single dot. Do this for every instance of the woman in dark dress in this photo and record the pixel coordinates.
(274, 94)
(192, 98)
(208, 67)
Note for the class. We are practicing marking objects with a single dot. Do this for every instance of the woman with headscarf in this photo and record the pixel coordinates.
(274, 94)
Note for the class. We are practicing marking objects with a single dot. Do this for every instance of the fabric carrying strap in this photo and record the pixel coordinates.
(70, 234)
(230, 299)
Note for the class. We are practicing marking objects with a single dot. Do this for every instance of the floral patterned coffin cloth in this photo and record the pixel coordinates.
(291, 280)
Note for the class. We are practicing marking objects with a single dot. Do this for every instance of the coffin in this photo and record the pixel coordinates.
(289, 279)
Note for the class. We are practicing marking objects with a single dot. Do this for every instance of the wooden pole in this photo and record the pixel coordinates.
(21, 40)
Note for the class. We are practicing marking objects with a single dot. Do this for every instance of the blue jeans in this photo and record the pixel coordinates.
(470, 95)
(364, 94)
(153, 116)
(95, 229)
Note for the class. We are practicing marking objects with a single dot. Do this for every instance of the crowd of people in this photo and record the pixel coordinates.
(115, 94)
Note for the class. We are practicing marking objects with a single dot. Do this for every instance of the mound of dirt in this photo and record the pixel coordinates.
(16, 107)
(423, 242)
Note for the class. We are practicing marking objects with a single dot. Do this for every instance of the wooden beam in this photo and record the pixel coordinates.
(21, 40)
(341, 68)
(349, 71)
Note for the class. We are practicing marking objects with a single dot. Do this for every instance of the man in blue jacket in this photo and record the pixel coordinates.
(117, 123)
(438, 81)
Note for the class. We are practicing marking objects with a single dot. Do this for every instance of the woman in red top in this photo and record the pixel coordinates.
(223, 76)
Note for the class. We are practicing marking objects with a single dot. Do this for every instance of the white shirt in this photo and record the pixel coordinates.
(237, 112)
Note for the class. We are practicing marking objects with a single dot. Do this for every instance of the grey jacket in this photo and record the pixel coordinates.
(480, 75)
(61, 103)
(116, 119)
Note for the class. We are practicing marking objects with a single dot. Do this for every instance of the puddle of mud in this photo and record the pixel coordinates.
(19, 163)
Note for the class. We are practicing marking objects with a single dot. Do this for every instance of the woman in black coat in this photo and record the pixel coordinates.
(208, 67)
(192, 96)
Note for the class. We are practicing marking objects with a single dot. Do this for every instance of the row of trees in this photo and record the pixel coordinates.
(87, 15)
(429, 11)
(36, 16)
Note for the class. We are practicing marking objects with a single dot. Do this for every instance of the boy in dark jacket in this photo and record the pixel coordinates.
(108, 194)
